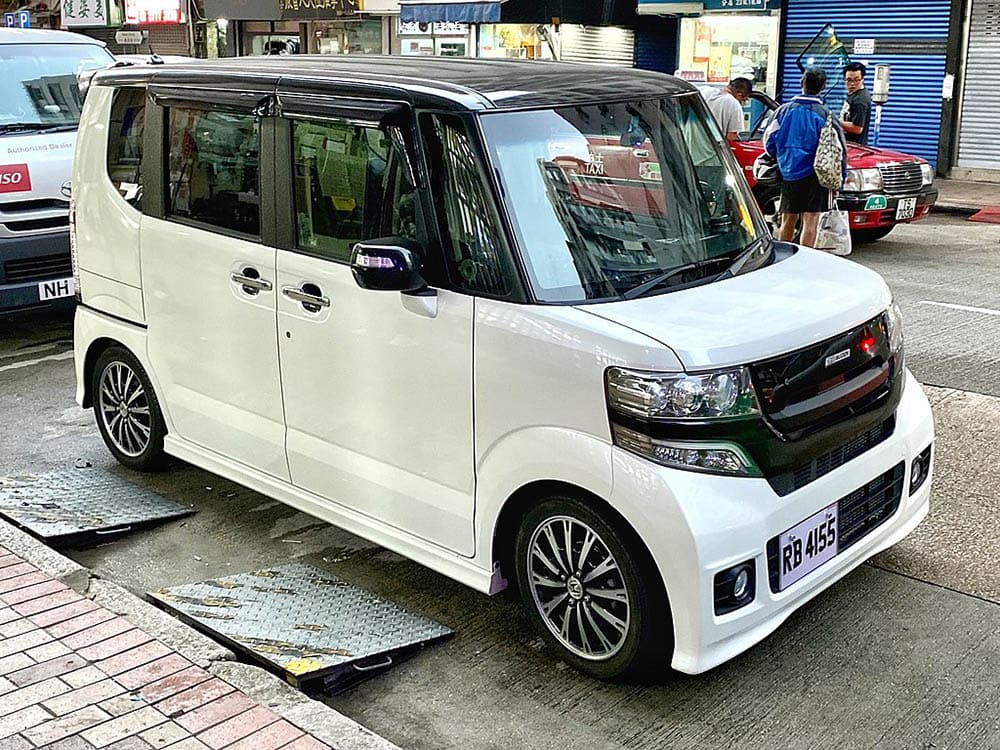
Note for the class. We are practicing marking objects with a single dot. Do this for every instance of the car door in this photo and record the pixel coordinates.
(208, 273)
(377, 385)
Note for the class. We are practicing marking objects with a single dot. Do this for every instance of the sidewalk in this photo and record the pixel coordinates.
(966, 197)
(76, 676)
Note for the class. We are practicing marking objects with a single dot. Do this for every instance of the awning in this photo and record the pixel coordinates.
(449, 11)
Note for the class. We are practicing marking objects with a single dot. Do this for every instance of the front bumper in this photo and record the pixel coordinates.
(863, 218)
(698, 525)
(20, 295)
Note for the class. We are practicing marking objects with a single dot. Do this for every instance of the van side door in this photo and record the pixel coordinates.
(377, 385)
(208, 271)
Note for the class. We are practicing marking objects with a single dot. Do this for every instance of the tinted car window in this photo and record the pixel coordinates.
(125, 143)
(214, 162)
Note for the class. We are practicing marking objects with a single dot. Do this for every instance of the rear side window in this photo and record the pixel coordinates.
(128, 113)
(474, 252)
(214, 168)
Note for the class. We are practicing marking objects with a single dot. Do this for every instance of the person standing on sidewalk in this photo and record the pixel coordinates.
(855, 115)
(726, 105)
(792, 138)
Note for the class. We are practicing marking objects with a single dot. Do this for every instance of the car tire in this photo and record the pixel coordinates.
(127, 410)
(862, 236)
(613, 626)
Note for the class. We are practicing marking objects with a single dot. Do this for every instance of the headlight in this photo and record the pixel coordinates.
(926, 174)
(715, 395)
(894, 323)
(863, 181)
(713, 457)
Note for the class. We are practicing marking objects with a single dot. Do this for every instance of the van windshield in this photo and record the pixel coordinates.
(622, 199)
(38, 88)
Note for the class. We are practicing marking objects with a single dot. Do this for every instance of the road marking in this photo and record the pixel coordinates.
(29, 350)
(966, 308)
(30, 362)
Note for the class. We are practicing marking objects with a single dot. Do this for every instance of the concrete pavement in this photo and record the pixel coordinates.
(966, 196)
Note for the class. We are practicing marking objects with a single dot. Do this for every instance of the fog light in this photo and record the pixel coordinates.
(860, 218)
(920, 469)
(735, 587)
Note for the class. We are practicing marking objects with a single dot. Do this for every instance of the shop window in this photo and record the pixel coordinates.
(125, 143)
(214, 169)
(474, 252)
(340, 174)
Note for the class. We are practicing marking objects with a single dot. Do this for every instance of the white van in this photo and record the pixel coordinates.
(39, 111)
(519, 322)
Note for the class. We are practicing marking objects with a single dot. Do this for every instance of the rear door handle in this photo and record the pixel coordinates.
(309, 295)
(251, 282)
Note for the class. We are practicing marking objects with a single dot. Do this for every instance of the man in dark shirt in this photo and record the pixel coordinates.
(856, 114)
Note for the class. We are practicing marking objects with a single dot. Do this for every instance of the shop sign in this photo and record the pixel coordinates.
(419, 28)
(85, 13)
(319, 8)
(148, 12)
(742, 4)
(864, 46)
(130, 38)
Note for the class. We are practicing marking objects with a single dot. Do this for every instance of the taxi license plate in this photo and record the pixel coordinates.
(806, 546)
(906, 208)
(56, 288)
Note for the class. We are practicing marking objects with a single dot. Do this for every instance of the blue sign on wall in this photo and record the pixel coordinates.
(24, 19)
(10, 20)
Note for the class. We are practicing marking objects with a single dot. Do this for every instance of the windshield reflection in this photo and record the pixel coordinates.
(607, 198)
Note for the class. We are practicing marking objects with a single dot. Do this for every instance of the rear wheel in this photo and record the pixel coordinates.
(861, 236)
(128, 414)
(592, 594)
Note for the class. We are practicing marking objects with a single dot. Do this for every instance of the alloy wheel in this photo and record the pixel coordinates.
(578, 588)
(124, 409)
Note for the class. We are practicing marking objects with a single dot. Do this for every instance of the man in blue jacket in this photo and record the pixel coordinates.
(792, 137)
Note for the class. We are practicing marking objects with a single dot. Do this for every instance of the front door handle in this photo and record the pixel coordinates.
(309, 295)
(251, 282)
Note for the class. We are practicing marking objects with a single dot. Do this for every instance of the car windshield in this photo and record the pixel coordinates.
(39, 86)
(621, 199)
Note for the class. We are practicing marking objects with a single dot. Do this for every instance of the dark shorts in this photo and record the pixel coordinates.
(805, 196)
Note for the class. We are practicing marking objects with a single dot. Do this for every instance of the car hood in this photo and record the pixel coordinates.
(859, 156)
(44, 161)
(801, 300)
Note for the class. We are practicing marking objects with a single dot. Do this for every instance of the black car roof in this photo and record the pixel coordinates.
(454, 83)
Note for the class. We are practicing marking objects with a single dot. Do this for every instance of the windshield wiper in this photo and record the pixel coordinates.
(36, 127)
(663, 278)
(762, 242)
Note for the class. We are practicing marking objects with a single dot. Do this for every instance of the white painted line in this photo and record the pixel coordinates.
(965, 308)
(29, 350)
(30, 362)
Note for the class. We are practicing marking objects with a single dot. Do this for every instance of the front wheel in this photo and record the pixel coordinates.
(861, 236)
(128, 414)
(592, 594)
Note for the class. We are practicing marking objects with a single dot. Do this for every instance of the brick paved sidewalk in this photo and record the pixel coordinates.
(76, 676)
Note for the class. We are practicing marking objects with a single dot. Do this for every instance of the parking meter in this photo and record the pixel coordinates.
(880, 95)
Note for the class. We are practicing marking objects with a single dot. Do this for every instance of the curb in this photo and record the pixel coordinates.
(316, 718)
(955, 209)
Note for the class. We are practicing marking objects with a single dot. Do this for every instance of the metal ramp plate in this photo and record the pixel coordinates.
(302, 622)
(71, 507)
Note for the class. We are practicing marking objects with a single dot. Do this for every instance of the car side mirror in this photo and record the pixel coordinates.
(389, 264)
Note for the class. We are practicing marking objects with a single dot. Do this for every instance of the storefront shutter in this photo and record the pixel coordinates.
(978, 141)
(910, 36)
(607, 45)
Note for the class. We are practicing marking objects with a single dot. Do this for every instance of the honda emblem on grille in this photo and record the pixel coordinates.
(838, 357)
(67, 189)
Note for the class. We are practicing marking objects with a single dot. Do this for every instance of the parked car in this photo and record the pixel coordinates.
(883, 188)
(492, 316)
(39, 111)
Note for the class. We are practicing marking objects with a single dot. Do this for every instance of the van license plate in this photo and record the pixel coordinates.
(906, 208)
(807, 545)
(55, 289)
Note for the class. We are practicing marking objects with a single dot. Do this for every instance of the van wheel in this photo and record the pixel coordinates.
(128, 414)
(591, 593)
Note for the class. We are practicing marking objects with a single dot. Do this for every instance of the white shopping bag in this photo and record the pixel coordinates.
(834, 233)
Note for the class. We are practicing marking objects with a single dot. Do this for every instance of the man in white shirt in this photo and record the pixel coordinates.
(726, 105)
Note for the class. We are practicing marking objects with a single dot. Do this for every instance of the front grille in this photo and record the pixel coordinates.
(34, 205)
(901, 178)
(38, 268)
(33, 225)
(858, 514)
(788, 482)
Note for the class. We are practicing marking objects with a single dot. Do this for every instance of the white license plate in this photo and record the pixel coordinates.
(906, 208)
(806, 546)
(55, 289)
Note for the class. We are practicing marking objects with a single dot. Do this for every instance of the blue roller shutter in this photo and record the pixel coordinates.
(910, 35)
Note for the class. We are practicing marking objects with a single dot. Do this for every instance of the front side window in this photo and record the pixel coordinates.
(39, 88)
(128, 112)
(214, 168)
(623, 199)
(340, 172)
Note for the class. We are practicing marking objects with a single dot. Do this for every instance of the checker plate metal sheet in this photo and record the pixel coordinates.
(68, 506)
(299, 620)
